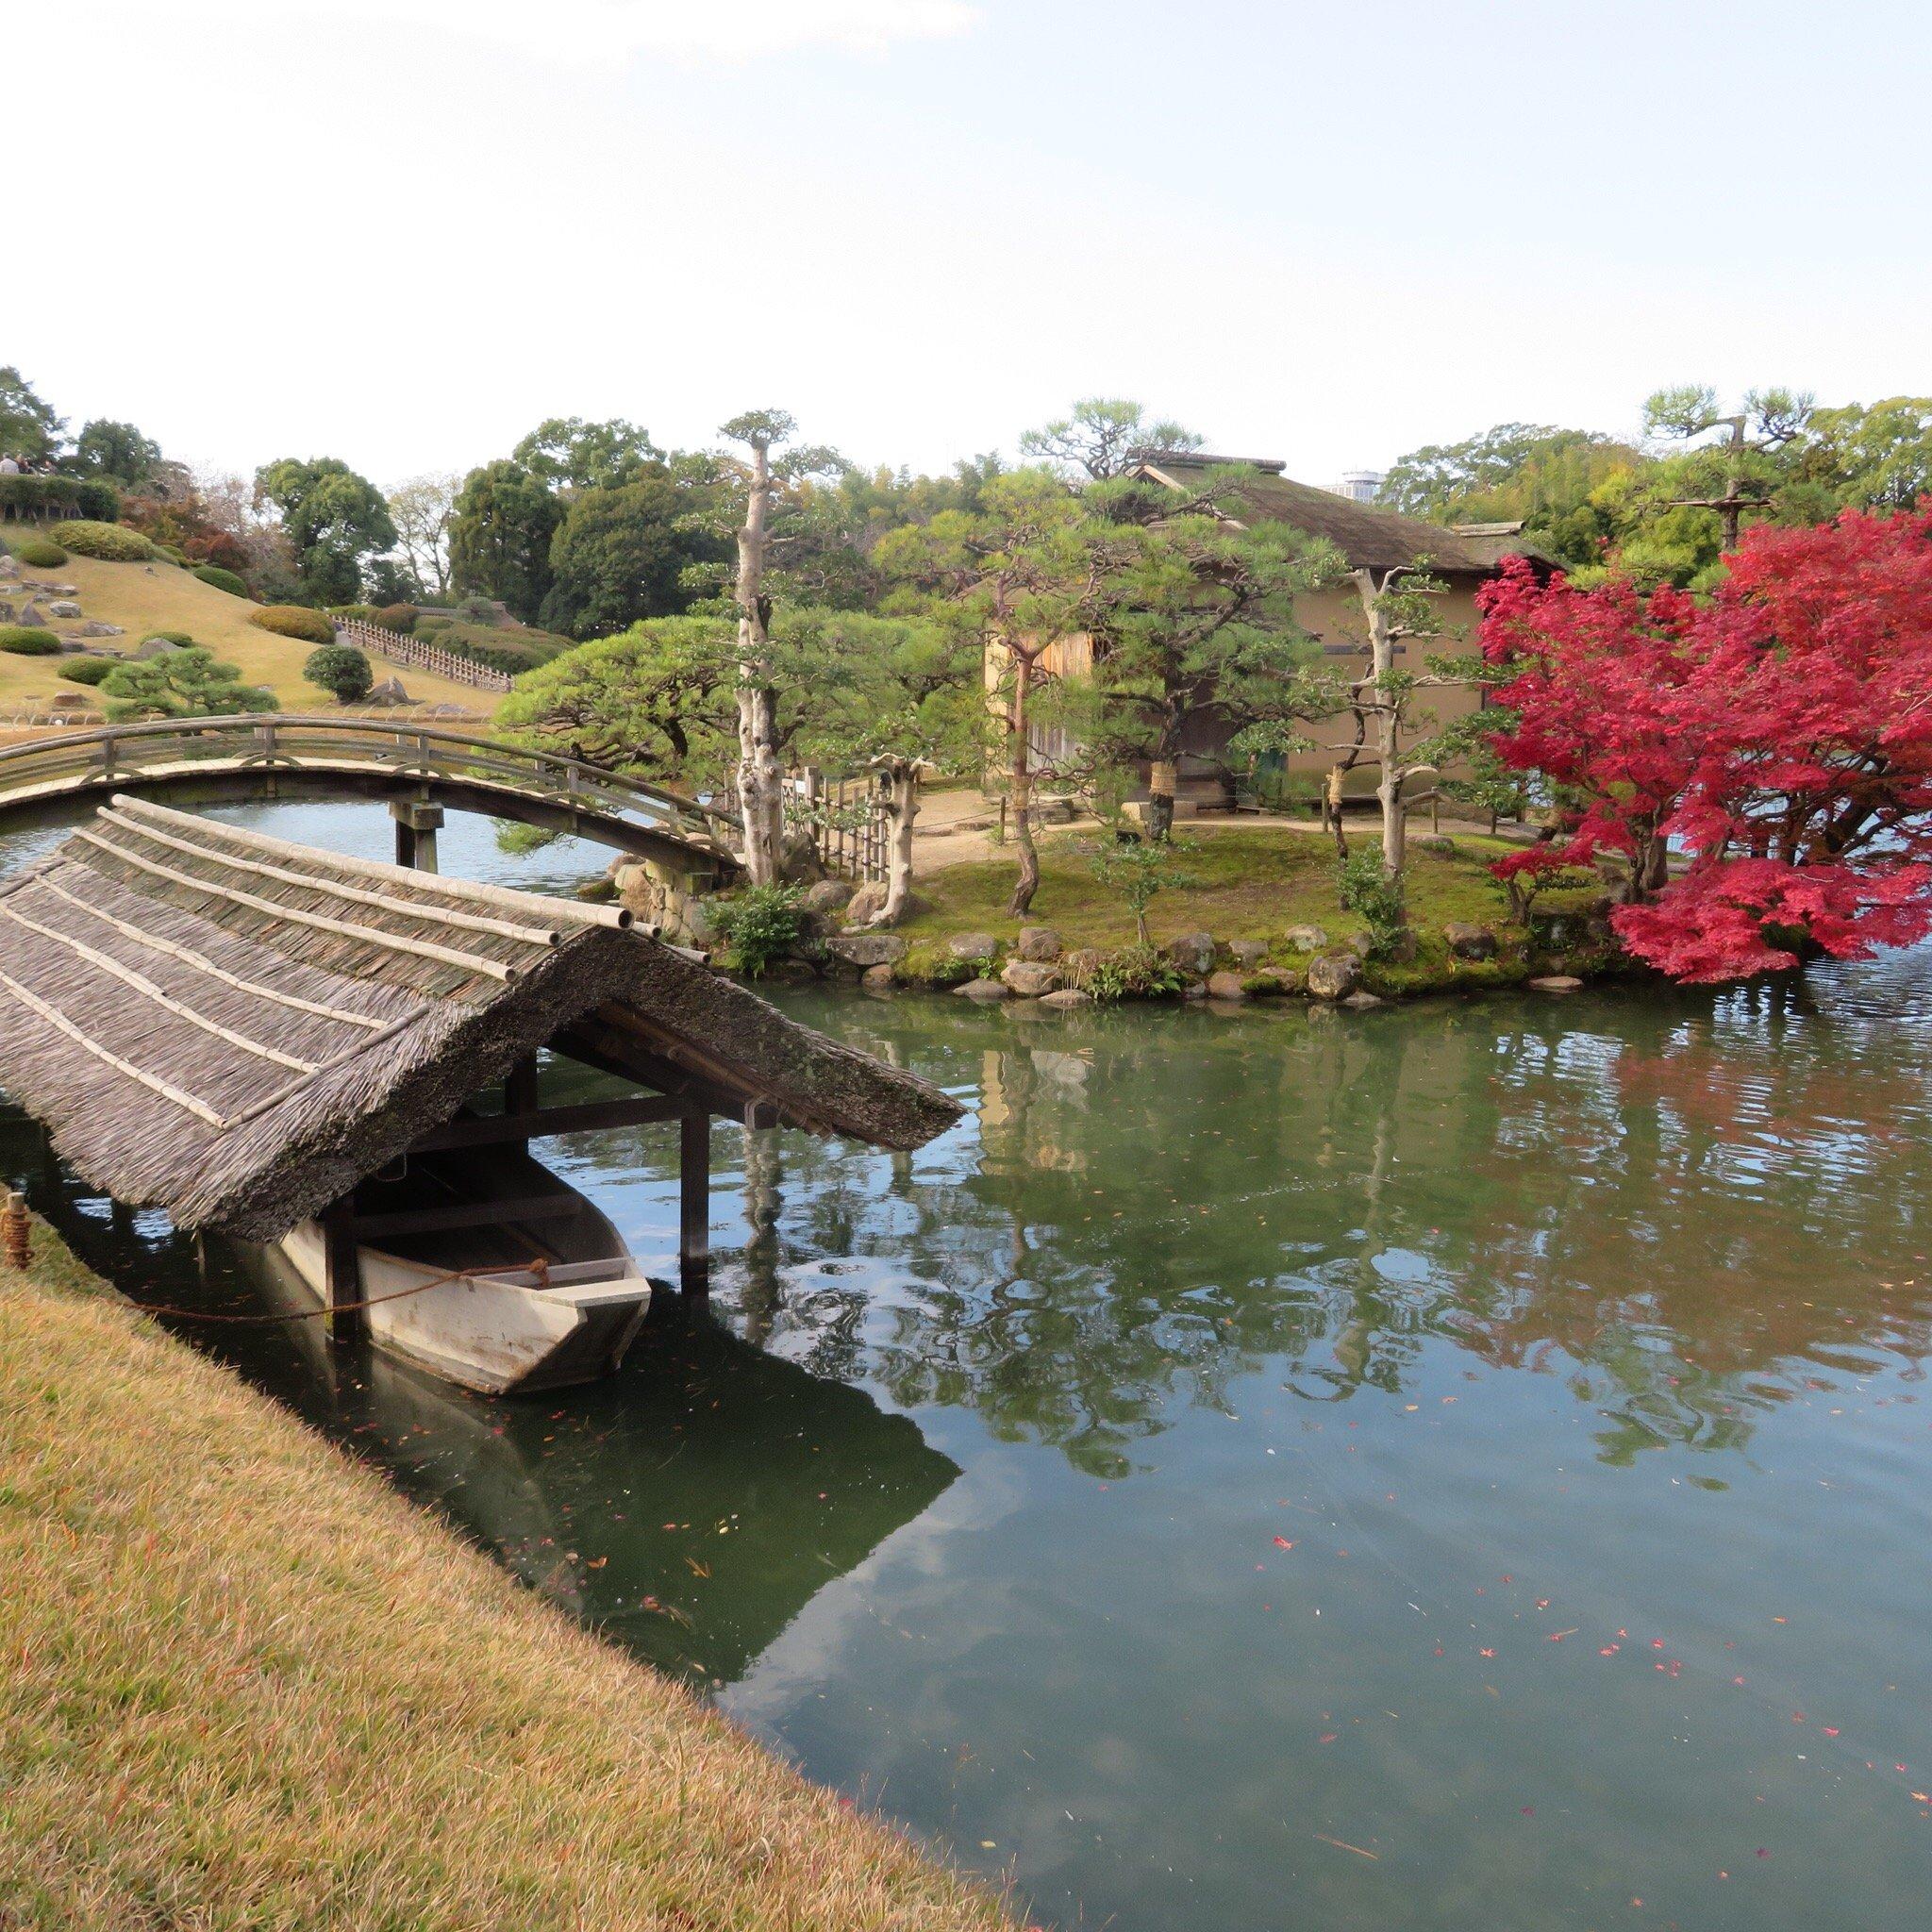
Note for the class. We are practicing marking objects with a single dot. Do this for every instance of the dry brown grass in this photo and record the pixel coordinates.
(247, 1686)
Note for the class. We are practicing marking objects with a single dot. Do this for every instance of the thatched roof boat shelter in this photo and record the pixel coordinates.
(238, 1029)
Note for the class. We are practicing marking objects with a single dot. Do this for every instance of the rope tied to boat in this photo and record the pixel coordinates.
(537, 1266)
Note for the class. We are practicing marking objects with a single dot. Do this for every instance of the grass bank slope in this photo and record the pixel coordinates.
(144, 598)
(247, 1686)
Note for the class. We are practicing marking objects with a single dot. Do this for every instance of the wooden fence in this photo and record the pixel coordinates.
(848, 826)
(414, 654)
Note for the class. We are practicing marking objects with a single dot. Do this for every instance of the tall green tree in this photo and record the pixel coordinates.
(500, 535)
(336, 519)
(1035, 569)
(623, 555)
(567, 453)
(1204, 632)
(28, 426)
(116, 453)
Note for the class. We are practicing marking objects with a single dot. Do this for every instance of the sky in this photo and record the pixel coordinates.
(402, 232)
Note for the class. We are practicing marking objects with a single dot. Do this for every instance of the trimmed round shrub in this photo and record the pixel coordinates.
(221, 579)
(184, 639)
(111, 543)
(342, 669)
(40, 554)
(87, 670)
(398, 617)
(432, 623)
(294, 621)
(29, 641)
(171, 555)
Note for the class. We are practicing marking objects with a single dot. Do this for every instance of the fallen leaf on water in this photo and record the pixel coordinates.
(1281, 1542)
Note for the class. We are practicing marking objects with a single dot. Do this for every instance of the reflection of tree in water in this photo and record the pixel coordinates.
(1158, 1207)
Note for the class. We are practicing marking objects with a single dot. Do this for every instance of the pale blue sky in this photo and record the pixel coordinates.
(1325, 233)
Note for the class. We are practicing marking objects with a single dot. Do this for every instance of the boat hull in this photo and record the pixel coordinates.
(506, 1328)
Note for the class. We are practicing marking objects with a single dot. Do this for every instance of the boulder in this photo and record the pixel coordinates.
(63, 606)
(1038, 943)
(829, 895)
(972, 945)
(1277, 982)
(1469, 941)
(1194, 990)
(866, 904)
(1434, 842)
(390, 692)
(9, 566)
(1306, 939)
(32, 615)
(1558, 982)
(155, 647)
(5, 611)
(1248, 953)
(1361, 1002)
(1031, 978)
(1227, 986)
(864, 949)
(876, 979)
(1192, 952)
(1334, 976)
(983, 990)
(96, 627)
(1066, 997)
(1082, 963)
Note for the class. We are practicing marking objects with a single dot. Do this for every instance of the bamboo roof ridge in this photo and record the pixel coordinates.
(238, 1029)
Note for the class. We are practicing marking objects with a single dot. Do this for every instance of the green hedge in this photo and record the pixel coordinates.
(67, 496)
(111, 543)
(221, 579)
(398, 617)
(294, 621)
(29, 641)
(39, 552)
(87, 670)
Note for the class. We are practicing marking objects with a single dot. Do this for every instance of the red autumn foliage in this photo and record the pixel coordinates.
(1777, 735)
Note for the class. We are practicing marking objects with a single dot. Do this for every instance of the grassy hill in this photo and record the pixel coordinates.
(144, 598)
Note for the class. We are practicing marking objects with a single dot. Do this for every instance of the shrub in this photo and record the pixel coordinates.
(1365, 890)
(29, 641)
(432, 623)
(171, 555)
(169, 637)
(1134, 972)
(294, 621)
(40, 554)
(87, 670)
(221, 579)
(760, 925)
(342, 669)
(398, 617)
(183, 683)
(112, 542)
(479, 609)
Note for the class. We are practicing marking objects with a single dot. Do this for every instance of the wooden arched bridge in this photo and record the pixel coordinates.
(416, 768)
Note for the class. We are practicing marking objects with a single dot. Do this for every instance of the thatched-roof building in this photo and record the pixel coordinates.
(238, 1030)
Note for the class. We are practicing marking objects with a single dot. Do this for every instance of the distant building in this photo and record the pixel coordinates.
(1359, 485)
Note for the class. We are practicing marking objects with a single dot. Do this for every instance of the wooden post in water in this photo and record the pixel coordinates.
(694, 1200)
(520, 1087)
(341, 1276)
(417, 826)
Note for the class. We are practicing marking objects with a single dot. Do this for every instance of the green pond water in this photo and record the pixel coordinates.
(1458, 1466)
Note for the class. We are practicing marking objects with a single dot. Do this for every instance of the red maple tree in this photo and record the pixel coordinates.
(1775, 737)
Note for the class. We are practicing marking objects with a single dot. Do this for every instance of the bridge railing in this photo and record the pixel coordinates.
(277, 739)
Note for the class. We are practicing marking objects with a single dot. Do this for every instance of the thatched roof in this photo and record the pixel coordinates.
(238, 1029)
(1368, 538)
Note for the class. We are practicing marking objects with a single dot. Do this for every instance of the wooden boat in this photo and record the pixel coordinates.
(540, 1295)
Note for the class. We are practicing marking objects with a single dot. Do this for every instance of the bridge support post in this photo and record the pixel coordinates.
(695, 1201)
(341, 1274)
(417, 826)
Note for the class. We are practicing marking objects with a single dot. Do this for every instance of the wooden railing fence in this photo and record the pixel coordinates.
(414, 654)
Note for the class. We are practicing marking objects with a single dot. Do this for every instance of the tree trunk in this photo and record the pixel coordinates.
(1162, 781)
(761, 783)
(901, 808)
(1387, 727)
(1020, 789)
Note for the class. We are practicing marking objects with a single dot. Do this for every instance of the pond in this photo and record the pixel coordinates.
(1455, 1466)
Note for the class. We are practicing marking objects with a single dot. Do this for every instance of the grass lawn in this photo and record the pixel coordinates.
(143, 598)
(1249, 882)
(248, 1686)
